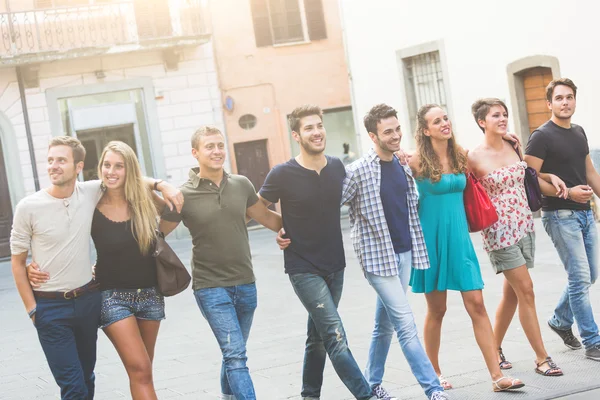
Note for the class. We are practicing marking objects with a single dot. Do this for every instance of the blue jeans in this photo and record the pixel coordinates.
(320, 295)
(393, 313)
(575, 237)
(68, 330)
(229, 312)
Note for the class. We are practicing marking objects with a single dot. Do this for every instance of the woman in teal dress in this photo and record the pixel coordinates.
(440, 165)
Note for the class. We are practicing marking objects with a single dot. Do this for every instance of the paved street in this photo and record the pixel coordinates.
(188, 360)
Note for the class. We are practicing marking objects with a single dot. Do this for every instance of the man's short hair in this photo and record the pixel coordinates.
(301, 112)
(376, 114)
(202, 132)
(557, 82)
(481, 108)
(73, 143)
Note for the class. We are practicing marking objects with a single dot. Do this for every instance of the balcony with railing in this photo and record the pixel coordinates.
(97, 28)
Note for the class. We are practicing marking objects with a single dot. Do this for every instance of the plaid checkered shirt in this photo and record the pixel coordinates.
(370, 234)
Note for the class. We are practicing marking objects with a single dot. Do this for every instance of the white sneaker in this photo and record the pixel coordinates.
(439, 396)
(382, 394)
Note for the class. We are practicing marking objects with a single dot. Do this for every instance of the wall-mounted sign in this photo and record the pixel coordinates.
(229, 103)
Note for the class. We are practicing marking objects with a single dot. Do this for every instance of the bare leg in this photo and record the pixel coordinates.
(520, 280)
(482, 328)
(125, 336)
(149, 332)
(504, 315)
(436, 308)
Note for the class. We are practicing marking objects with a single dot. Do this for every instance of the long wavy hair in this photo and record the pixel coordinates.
(139, 199)
(430, 166)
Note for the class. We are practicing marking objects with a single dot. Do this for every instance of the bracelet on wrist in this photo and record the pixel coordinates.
(30, 313)
(156, 183)
(569, 194)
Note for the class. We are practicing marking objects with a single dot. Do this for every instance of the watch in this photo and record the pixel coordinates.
(156, 183)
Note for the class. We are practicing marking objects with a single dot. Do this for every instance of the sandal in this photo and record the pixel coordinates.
(554, 370)
(514, 384)
(503, 363)
(444, 383)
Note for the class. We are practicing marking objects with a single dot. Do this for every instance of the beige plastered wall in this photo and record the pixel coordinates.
(269, 82)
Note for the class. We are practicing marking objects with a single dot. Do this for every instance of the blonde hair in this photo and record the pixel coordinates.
(73, 143)
(203, 132)
(430, 165)
(138, 196)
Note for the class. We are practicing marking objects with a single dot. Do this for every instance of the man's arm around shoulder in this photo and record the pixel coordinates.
(260, 212)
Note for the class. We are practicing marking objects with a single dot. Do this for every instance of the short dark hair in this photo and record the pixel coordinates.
(73, 143)
(301, 112)
(376, 114)
(557, 82)
(481, 108)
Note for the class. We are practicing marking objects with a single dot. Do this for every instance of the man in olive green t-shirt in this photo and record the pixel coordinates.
(215, 210)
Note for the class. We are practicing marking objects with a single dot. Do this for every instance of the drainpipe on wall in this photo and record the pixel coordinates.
(36, 179)
(20, 82)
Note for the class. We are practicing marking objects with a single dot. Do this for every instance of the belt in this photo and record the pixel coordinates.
(91, 286)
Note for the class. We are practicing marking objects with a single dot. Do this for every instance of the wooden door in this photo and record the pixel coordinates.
(252, 161)
(535, 81)
(5, 209)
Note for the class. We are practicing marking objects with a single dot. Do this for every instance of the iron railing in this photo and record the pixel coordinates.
(103, 25)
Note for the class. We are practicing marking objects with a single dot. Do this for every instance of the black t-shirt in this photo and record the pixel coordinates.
(120, 263)
(564, 152)
(310, 208)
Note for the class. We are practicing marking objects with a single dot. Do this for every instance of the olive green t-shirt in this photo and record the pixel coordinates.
(216, 218)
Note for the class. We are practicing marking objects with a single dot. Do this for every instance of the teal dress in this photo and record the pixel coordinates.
(454, 264)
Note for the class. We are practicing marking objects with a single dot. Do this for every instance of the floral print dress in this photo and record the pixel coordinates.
(505, 187)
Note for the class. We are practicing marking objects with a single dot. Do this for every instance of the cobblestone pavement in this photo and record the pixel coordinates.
(188, 360)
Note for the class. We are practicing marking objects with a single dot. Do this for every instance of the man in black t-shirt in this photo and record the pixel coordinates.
(559, 147)
(309, 187)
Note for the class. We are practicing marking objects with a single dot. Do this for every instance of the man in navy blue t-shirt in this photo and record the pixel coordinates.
(309, 187)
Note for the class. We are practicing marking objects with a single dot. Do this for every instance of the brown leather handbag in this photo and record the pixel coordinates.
(173, 277)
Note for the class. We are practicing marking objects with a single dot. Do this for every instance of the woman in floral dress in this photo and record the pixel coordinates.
(510, 242)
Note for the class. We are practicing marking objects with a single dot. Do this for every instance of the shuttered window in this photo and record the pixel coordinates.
(425, 80)
(287, 21)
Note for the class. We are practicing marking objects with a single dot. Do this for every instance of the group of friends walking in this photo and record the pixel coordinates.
(408, 228)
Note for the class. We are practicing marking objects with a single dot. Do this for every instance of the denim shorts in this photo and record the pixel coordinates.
(511, 257)
(117, 304)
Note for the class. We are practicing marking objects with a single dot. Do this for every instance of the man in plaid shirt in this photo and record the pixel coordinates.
(388, 240)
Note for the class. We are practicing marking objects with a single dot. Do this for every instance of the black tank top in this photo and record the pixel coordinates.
(120, 264)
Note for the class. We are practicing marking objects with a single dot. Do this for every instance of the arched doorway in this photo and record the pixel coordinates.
(12, 188)
(527, 81)
(5, 208)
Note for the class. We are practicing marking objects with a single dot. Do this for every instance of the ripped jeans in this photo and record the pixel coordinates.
(320, 296)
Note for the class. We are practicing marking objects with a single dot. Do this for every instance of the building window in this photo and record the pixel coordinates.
(247, 121)
(425, 82)
(287, 21)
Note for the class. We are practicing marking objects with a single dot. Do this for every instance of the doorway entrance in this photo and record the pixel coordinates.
(94, 141)
(535, 81)
(5, 209)
(252, 161)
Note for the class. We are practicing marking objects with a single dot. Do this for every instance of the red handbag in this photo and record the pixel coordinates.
(480, 211)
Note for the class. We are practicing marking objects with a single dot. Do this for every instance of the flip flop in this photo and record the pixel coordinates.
(514, 384)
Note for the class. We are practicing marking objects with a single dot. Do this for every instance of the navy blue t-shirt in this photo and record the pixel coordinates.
(393, 191)
(310, 208)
